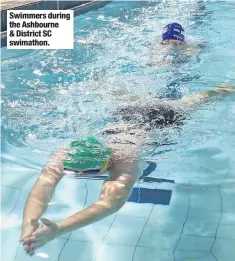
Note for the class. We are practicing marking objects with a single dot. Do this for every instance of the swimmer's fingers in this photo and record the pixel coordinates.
(30, 240)
(35, 246)
(33, 243)
(28, 248)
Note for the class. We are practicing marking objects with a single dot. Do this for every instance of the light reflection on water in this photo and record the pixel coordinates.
(53, 96)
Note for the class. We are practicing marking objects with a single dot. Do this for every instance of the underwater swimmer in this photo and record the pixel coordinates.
(173, 38)
(86, 158)
(119, 156)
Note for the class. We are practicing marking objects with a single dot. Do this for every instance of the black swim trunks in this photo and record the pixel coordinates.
(158, 114)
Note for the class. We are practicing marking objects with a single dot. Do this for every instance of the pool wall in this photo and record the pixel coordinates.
(79, 7)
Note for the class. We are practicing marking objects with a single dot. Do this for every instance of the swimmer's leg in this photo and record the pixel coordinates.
(221, 91)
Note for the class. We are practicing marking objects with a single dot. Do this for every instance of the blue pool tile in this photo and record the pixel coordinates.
(154, 239)
(24, 192)
(95, 185)
(153, 254)
(94, 189)
(107, 221)
(9, 242)
(179, 195)
(165, 226)
(94, 233)
(209, 180)
(196, 214)
(77, 250)
(200, 228)
(122, 236)
(135, 209)
(9, 198)
(114, 253)
(129, 222)
(227, 186)
(169, 212)
(228, 201)
(224, 249)
(193, 256)
(195, 243)
(205, 198)
(228, 219)
(16, 176)
(150, 195)
(226, 231)
(63, 206)
(15, 217)
(167, 165)
(181, 176)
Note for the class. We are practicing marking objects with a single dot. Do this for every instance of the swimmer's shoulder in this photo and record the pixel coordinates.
(190, 47)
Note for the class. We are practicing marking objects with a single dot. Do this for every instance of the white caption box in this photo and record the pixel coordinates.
(43, 35)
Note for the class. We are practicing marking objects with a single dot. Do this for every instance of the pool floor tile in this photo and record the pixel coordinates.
(114, 253)
(158, 240)
(122, 236)
(16, 177)
(203, 215)
(205, 199)
(200, 228)
(226, 231)
(195, 243)
(94, 233)
(9, 198)
(9, 243)
(224, 249)
(137, 210)
(179, 195)
(228, 201)
(228, 219)
(167, 212)
(129, 222)
(170, 226)
(153, 254)
(78, 250)
(193, 256)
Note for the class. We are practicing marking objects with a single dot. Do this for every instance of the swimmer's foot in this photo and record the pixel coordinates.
(225, 87)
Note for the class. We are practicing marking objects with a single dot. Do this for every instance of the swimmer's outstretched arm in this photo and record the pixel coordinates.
(114, 194)
(222, 90)
(41, 194)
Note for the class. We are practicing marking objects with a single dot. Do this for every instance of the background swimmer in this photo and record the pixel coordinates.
(173, 39)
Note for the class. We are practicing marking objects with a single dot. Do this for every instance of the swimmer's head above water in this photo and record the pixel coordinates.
(173, 34)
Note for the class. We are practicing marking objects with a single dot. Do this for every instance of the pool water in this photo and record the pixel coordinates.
(183, 207)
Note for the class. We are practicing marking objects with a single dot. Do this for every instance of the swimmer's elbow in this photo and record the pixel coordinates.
(120, 202)
(115, 201)
(116, 205)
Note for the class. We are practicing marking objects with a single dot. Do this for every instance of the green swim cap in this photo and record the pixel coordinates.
(87, 154)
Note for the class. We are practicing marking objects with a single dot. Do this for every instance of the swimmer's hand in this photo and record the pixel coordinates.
(41, 236)
(27, 230)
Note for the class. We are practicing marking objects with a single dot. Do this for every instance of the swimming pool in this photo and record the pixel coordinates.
(50, 97)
